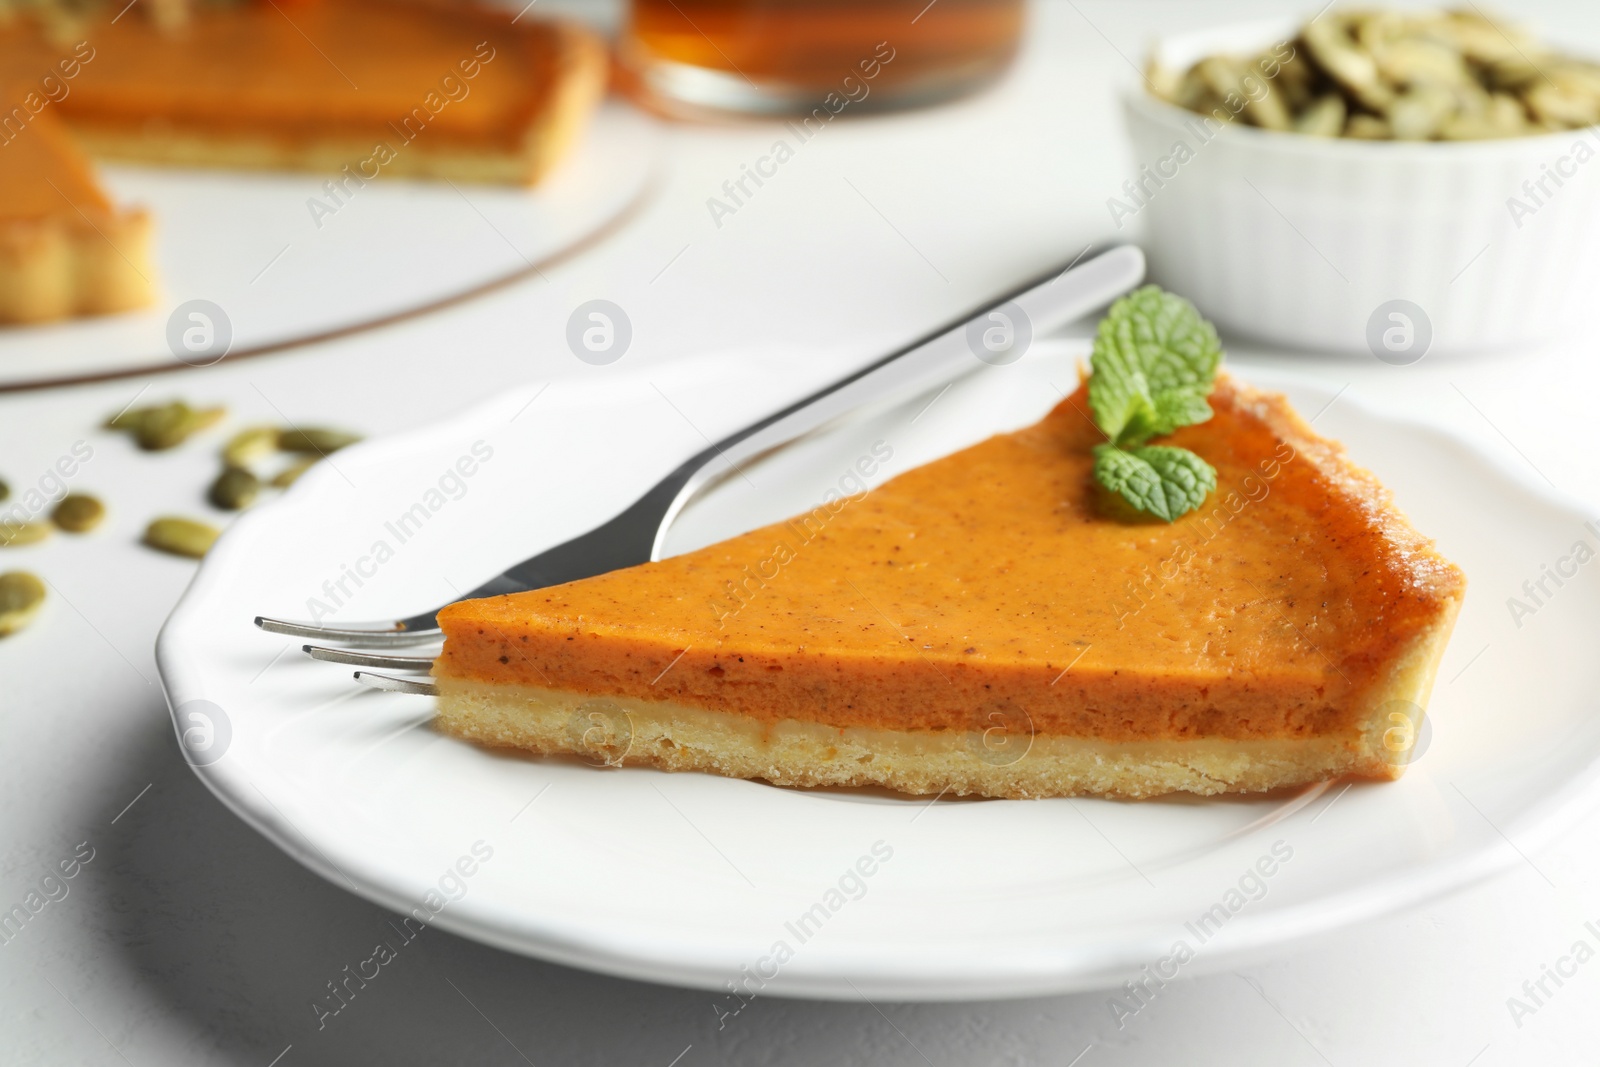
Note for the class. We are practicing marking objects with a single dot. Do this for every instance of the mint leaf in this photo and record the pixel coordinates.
(1155, 360)
(1119, 395)
(1180, 408)
(1164, 481)
(1153, 365)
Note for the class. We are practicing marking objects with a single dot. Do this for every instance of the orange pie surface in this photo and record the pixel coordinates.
(998, 585)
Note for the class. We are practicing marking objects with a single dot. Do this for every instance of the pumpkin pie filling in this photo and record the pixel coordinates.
(1253, 643)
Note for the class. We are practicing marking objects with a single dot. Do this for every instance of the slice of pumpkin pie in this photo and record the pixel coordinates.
(65, 248)
(1001, 623)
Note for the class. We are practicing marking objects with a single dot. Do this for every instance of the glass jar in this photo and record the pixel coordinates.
(790, 57)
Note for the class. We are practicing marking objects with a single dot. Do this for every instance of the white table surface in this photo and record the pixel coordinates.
(189, 939)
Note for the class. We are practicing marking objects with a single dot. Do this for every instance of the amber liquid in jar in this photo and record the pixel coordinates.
(786, 56)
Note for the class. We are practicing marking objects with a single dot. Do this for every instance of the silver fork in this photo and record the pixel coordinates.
(637, 534)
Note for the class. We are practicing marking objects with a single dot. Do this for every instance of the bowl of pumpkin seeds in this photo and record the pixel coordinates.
(1389, 183)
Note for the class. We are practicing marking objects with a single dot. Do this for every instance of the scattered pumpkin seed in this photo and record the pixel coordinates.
(234, 488)
(181, 537)
(290, 474)
(250, 445)
(78, 513)
(165, 425)
(320, 441)
(14, 534)
(21, 595)
(127, 419)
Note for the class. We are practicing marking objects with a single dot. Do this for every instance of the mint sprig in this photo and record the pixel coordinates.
(1165, 481)
(1154, 363)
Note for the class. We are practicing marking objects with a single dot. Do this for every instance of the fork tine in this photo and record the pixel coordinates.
(404, 664)
(390, 684)
(392, 638)
(636, 534)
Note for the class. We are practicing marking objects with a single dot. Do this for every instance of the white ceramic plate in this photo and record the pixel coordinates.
(703, 881)
(250, 244)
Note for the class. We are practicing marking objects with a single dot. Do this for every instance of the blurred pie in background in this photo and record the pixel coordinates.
(356, 89)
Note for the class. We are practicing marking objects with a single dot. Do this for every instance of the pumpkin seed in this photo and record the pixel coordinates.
(127, 419)
(1331, 47)
(1373, 30)
(1483, 41)
(1163, 80)
(21, 596)
(1512, 73)
(1225, 78)
(181, 537)
(14, 534)
(250, 445)
(234, 488)
(290, 474)
(315, 440)
(1367, 128)
(1410, 76)
(5, 490)
(166, 425)
(1324, 118)
(78, 513)
(1562, 106)
(1581, 79)
(1507, 114)
(1416, 61)
(1502, 116)
(1296, 79)
(1418, 114)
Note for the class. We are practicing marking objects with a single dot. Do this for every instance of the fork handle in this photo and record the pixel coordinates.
(1039, 307)
(638, 533)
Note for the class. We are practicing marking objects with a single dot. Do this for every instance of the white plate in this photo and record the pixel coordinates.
(249, 243)
(690, 879)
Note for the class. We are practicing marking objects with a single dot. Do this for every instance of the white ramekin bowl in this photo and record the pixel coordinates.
(1321, 243)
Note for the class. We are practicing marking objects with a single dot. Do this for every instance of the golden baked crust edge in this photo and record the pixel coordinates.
(1410, 677)
(55, 268)
(626, 731)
